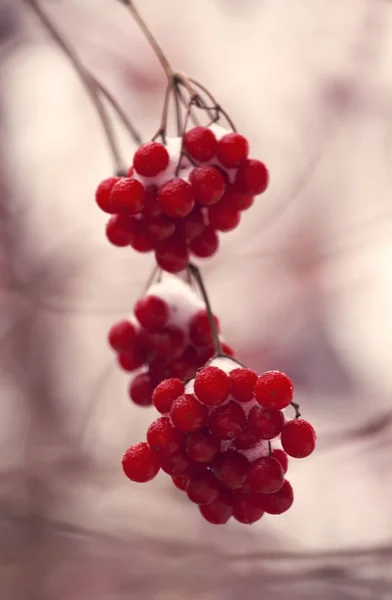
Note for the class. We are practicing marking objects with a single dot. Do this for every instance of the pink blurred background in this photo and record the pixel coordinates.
(304, 285)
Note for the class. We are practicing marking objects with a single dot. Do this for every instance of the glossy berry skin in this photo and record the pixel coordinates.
(206, 244)
(242, 384)
(265, 475)
(150, 159)
(219, 511)
(181, 481)
(200, 331)
(208, 185)
(141, 389)
(160, 228)
(265, 424)
(247, 508)
(252, 177)
(188, 414)
(172, 255)
(202, 446)
(140, 463)
(103, 197)
(298, 438)
(228, 421)
(202, 488)
(128, 195)
(122, 336)
(212, 386)
(191, 226)
(116, 234)
(282, 457)
(175, 465)
(176, 198)
(151, 312)
(236, 199)
(164, 438)
(233, 149)
(231, 469)
(278, 502)
(132, 359)
(140, 239)
(165, 393)
(246, 440)
(200, 143)
(223, 217)
(274, 390)
(151, 207)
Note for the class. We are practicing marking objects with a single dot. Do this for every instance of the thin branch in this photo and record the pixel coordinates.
(195, 272)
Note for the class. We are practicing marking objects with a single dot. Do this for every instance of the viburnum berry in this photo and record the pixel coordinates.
(116, 234)
(247, 508)
(282, 457)
(228, 421)
(202, 487)
(140, 463)
(252, 177)
(205, 244)
(176, 198)
(187, 365)
(175, 464)
(181, 481)
(223, 217)
(212, 386)
(131, 359)
(172, 255)
(150, 159)
(265, 475)
(228, 350)
(128, 195)
(219, 511)
(246, 440)
(278, 502)
(103, 197)
(298, 438)
(274, 390)
(191, 226)
(140, 239)
(122, 336)
(160, 228)
(243, 384)
(165, 393)
(164, 438)
(265, 424)
(232, 149)
(208, 184)
(231, 468)
(151, 207)
(200, 330)
(236, 199)
(188, 414)
(200, 143)
(202, 446)
(141, 389)
(151, 312)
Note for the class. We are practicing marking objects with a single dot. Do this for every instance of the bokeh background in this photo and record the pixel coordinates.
(304, 285)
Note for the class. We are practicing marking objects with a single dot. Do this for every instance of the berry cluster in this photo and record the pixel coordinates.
(177, 197)
(168, 335)
(218, 440)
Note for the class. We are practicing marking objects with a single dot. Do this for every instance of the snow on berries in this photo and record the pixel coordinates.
(176, 198)
(225, 440)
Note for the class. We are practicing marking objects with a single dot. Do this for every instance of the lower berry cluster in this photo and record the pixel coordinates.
(224, 439)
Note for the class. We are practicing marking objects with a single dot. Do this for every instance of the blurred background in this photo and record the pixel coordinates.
(304, 286)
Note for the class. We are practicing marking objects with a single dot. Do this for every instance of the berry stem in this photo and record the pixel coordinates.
(295, 405)
(195, 273)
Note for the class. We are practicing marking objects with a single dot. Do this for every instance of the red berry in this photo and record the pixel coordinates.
(223, 217)
(151, 312)
(150, 159)
(187, 365)
(246, 440)
(165, 393)
(232, 149)
(140, 463)
(172, 255)
(176, 198)
(201, 446)
(265, 475)
(279, 502)
(141, 240)
(141, 389)
(228, 350)
(212, 386)
(219, 511)
(243, 384)
(200, 143)
(247, 508)
(298, 438)
(181, 481)
(231, 468)
(265, 424)
(128, 195)
(199, 329)
(160, 228)
(228, 421)
(282, 457)
(206, 244)
(188, 414)
(274, 390)
(175, 465)
(236, 199)
(191, 226)
(202, 488)
(132, 359)
(116, 234)
(164, 438)
(208, 184)
(151, 206)
(252, 177)
(122, 336)
(103, 198)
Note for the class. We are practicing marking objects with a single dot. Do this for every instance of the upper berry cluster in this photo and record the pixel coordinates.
(177, 197)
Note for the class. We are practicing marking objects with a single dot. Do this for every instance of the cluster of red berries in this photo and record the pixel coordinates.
(176, 197)
(217, 439)
(168, 335)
